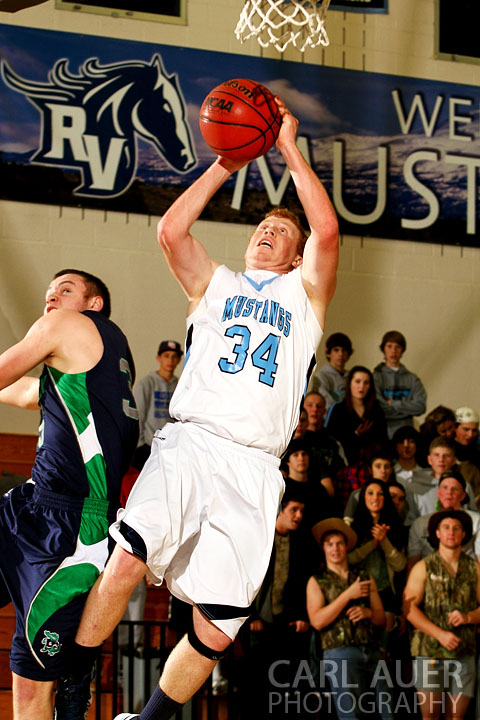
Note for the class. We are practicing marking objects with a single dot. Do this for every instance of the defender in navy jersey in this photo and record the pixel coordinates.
(54, 529)
(202, 513)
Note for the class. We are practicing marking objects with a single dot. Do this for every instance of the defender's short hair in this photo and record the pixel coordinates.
(94, 286)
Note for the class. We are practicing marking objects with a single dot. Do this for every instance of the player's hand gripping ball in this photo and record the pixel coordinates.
(240, 120)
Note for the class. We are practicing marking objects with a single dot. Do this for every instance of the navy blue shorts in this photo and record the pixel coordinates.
(53, 548)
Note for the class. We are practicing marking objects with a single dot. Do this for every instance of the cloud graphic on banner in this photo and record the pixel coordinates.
(308, 105)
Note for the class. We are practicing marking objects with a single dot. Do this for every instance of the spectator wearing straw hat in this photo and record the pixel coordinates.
(344, 607)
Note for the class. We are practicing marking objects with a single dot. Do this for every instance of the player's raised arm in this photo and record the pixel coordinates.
(64, 339)
(187, 258)
(23, 393)
(20, 359)
(320, 258)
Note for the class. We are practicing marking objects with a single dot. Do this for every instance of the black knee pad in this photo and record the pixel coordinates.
(207, 652)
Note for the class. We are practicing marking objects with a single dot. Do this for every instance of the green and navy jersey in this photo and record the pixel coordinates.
(89, 427)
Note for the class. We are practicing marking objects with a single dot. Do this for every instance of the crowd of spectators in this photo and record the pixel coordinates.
(348, 611)
(389, 529)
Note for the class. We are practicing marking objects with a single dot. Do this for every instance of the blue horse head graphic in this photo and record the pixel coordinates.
(90, 121)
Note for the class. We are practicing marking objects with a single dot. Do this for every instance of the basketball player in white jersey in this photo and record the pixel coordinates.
(202, 513)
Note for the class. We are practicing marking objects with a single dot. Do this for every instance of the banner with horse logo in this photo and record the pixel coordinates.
(113, 124)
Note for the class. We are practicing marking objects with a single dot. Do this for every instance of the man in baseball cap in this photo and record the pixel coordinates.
(466, 434)
(152, 396)
(170, 346)
(466, 415)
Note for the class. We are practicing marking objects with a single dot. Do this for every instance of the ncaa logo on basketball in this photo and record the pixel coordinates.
(216, 103)
(91, 121)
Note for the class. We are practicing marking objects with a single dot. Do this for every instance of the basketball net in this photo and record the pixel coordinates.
(283, 22)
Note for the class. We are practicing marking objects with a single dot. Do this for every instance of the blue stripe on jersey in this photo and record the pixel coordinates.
(260, 286)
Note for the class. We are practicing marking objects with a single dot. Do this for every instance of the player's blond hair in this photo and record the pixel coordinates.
(284, 212)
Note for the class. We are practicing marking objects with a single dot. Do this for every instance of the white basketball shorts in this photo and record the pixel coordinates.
(205, 508)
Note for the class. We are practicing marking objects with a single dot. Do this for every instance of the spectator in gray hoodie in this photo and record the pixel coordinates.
(400, 392)
(330, 379)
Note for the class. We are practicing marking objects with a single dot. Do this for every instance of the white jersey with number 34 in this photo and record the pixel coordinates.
(250, 348)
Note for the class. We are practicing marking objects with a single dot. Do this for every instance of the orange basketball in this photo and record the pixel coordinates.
(240, 120)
